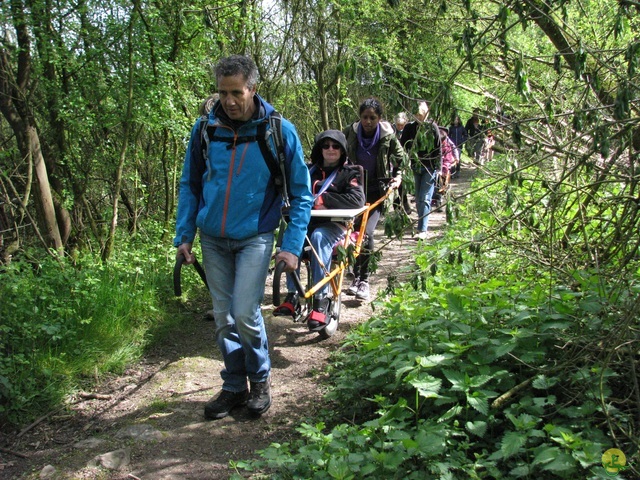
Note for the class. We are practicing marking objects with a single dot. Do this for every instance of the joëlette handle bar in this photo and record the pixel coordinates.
(382, 198)
(277, 274)
(177, 287)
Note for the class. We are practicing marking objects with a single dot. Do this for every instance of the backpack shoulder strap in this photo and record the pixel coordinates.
(276, 163)
(206, 134)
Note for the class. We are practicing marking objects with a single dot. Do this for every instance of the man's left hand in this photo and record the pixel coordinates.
(290, 261)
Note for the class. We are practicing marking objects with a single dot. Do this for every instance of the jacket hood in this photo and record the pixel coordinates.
(386, 128)
(335, 135)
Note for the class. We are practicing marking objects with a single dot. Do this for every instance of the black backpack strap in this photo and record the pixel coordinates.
(275, 163)
(198, 162)
(275, 121)
(206, 134)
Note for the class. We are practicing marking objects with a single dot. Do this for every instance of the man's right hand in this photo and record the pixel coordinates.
(185, 250)
(290, 260)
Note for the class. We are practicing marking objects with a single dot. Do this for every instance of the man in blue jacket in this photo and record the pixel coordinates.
(232, 199)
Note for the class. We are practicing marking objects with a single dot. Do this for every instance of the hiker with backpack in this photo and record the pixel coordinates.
(242, 163)
(421, 140)
(335, 184)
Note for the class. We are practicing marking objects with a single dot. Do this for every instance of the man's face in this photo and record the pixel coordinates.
(236, 98)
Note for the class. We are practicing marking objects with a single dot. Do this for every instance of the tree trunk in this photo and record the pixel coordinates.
(108, 248)
(15, 92)
(44, 189)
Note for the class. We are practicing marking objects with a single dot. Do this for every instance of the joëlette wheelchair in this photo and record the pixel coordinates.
(347, 249)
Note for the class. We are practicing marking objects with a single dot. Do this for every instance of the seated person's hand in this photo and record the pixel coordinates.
(290, 261)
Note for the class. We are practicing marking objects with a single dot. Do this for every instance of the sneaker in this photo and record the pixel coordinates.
(290, 306)
(363, 291)
(224, 403)
(421, 235)
(353, 289)
(259, 397)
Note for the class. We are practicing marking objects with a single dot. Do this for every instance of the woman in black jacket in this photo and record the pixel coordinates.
(334, 184)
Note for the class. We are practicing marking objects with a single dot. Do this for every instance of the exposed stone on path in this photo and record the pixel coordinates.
(112, 460)
(89, 443)
(48, 472)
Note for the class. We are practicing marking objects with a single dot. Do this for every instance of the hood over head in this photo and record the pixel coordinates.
(335, 135)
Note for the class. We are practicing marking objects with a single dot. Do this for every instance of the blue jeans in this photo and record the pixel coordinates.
(237, 272)
(322, 239)
(425, 185)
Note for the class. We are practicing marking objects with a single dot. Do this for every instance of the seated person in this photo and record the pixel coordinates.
(335, 184)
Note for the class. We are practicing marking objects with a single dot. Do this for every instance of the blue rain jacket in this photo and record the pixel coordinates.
(232, 195)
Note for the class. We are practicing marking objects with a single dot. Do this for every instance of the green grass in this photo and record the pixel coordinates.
(63, 325)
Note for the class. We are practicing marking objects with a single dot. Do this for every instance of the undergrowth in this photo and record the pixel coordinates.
(484, 365)
(64, 323)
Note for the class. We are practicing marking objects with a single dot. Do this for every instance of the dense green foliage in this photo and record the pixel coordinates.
(482, 366)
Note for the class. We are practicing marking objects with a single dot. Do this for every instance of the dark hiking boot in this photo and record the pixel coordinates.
(259, 397)
(220, 406)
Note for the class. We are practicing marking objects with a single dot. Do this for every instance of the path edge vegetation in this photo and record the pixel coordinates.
(479, 365)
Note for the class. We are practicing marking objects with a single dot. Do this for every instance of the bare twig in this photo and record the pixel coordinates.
(508, 395)
(94, 396)
(14, 453)
(38, 421)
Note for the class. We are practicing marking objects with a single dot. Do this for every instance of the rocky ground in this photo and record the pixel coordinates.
(148, 423)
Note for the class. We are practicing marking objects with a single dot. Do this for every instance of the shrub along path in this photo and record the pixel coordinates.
(148, 422)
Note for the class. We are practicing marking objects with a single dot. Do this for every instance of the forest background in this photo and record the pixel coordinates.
(98, 98)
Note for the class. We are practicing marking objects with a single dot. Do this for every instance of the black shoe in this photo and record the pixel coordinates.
(224, 403)
(290, 306)
(318, 317)
(259, 397)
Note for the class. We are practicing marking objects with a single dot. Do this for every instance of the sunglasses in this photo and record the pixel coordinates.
(327, 146)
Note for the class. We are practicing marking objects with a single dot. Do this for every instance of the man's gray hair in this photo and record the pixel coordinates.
(238, 65)
(402, 118)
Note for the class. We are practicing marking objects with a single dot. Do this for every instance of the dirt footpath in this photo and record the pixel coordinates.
(148, 423)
